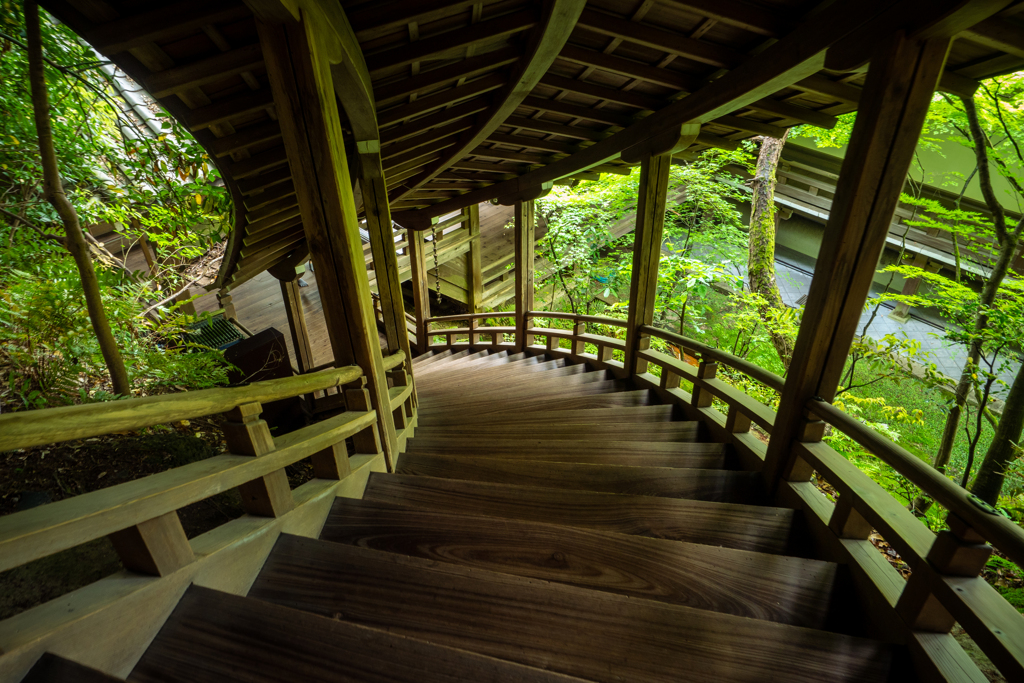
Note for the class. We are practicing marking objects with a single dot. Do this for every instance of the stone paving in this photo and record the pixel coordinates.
(795, 282)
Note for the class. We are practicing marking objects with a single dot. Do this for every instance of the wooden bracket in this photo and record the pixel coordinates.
(671, 142)
(535, 192)
(156, 547)
(846, 522)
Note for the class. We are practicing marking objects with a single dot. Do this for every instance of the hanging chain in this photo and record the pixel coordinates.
(437, 269)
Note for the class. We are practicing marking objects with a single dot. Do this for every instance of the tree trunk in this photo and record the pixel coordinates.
(1004, 449)
(54, 192)
(1008, 242)
(761, 258)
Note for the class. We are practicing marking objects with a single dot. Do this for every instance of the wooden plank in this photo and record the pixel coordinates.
(300, 75)
(720, 486)
(625, 638)
(163, 23)
(444, 98)
(227, 109)
(582, 429)
(779, 589)
(627, 67)
(204, 71)
(466, 68)
(216, 636)
(525, 240)
(650, 222)
(53, 669)
(896, 97)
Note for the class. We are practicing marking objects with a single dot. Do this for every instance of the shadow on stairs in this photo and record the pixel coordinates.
(547, 523)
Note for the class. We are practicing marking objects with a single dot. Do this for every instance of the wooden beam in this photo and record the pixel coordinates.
(420, 288)
(164, 23)
(467, 68)
(307, 108)
(558, 17)
(450, 41)
(749, 125)
(427, 123)
(224, 110)
(628, 97)
(382, 247)
(542, 126)
(576, 111)
(1003, 34)
(524, 253)
(627, 67)
(795, 57)
(474, 278)
(371, 21)
(433, 147)
(253, 135)
(442, 99)
(826, 87)
(532, 143)
(659, 39)
(670, 143)
(896, 97)
(794, 112)
(204, 71)
(643, 286)
(425, 139)
(760, 20)
(508, 155)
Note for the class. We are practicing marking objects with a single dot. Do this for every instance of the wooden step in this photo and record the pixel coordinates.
(581, 431)
(512, 398)
(490, 360)
(720, 486)
(493, 372)
(622, 399)
(590, 634)
(54, 669)
(745, 527)
(558, 381)
(214, 636)
(431, 357)
(570, 451)
(468, 360)
(787, 590)
(631, 415)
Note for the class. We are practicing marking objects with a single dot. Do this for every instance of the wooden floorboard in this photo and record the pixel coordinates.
(722, 486)
(746, 527)
(214, 636)
(594, 635)
(777, 588)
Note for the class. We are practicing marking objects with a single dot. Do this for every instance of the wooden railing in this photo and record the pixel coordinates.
(944, 585)
(141, 517)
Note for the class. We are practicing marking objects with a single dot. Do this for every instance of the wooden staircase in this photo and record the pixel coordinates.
(546, 523)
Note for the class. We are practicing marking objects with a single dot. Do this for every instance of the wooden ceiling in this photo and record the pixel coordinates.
(495, 98)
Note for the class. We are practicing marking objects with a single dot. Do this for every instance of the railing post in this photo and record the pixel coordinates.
(474, 277)
(643, 285)
(382, 246)
(225, 301)
(307, 109)
(247, 434)
(156, 547)
(578, 345)
(420, 288)
(296, 316)
(524, 242)
(403, 412)
(903, 75)
(700, 397)
(474, 338)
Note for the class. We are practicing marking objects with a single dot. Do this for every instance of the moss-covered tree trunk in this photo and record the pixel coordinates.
(761, 257)
(1005, 447)
(54, 192)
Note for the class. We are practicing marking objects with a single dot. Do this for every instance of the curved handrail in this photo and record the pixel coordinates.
(765, 377)
(50, 425)
(995, 528)
(468, 316)
(595, 319)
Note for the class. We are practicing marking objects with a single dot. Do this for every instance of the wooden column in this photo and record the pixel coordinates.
(292, 295)
(643, 285)
(899, 87)
(420, 287)
(474, 276)
(524, 238)
(382, 246)
(307, 108)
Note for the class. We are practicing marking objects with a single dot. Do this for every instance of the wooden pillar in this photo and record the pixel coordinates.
(307, 108)
(524, 238)
(474, 276)
(420, 287)
(899, 87)
(382, 246)
(643, 285)
(902, 311)
(292, 296)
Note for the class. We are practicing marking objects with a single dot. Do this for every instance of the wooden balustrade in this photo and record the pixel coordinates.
(944, 587)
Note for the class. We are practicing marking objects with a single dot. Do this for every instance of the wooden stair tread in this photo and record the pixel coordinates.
(590, 634)
(722, 486)
(707, 456)
(488, 362)
(634, 398)
(745, 527)
(631, 415)
(215, 636)
(777, 588)
(463, 363)
(520, 446)
(581, 430)
(52, 668)
(530, 365)
(559, 382)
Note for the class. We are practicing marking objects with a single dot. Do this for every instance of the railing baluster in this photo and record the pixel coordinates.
(247, 434)
(702, 398)
(156, 547)
(579, 346)
(736, 421)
